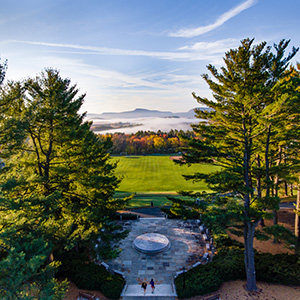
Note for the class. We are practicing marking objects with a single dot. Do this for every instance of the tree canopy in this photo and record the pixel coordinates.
(57, 183)
(252, 95)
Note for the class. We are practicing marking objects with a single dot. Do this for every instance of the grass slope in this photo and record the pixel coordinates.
(152, 178)
(156, 175)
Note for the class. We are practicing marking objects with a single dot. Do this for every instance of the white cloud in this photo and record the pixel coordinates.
(111, 51)
(179, 56)
(219, 46)
(214, 51)
(193, 32)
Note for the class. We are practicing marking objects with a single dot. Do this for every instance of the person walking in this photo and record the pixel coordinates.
(152, 285)
(144, 286)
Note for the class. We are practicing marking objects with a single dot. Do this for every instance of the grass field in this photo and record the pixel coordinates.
(151, 178)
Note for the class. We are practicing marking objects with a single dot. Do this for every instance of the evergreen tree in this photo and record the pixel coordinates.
(24, 274)
(57, 173)
(292, 129)
(3, 68)
(236, 135)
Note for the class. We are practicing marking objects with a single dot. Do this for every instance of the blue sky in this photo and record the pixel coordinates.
(128, 54)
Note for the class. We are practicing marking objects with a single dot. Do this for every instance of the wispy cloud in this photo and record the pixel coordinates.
(193, 32)
(112, 51)
(106, 79)
(219, 46)
(108, 88)
(176, 55)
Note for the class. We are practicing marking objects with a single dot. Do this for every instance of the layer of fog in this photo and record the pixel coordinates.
(151, 123)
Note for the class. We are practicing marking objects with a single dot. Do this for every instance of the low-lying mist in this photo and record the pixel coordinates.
(151, 123)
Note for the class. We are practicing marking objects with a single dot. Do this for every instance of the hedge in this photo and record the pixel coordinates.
(201, 280)
(126, 216)
(228, 265)
(189, 214)
(280, 268)
(90, 276)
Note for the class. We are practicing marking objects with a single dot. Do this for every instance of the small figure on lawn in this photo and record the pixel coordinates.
(152, 285)
(144, 286)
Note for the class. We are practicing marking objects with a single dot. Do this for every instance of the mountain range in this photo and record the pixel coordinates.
(142, 113)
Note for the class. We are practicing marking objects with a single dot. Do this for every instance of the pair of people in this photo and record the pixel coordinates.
(144, 286)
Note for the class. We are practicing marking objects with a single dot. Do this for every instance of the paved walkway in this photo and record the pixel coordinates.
(287, 205)
(162, 290)
(147, 212)
(186, 249)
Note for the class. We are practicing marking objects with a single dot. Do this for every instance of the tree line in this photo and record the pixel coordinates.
(148, 142)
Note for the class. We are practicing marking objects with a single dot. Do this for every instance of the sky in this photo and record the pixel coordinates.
(127, 54)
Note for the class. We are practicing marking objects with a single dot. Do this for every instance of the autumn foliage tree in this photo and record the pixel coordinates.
(148, 142)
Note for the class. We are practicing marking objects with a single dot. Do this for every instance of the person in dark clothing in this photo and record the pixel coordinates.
(152, 285)
(144, 286)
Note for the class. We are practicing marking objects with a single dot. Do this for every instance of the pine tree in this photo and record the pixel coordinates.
(3, 68)
(24, 274)
(57, 172)
(237, 133)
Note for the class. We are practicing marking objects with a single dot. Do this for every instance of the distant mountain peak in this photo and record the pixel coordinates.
(142, 113)
(150, 110)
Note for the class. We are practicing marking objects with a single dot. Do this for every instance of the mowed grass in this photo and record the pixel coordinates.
(157, 174)
(145, 199)
(153, 178)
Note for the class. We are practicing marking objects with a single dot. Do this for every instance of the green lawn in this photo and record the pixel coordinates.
(144, 199)
(153, 177)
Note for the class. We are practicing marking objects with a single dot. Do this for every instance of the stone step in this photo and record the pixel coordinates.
(148, 298)
(166, 291)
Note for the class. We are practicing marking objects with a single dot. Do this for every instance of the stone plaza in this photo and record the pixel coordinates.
(186, 248)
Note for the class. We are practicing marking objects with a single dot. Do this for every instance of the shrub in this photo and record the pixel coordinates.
(280, 268)
(90, 276)
(223, 240)
(126, 216)
(178, 211)
(112, 289)
(94, 277)
(228, 264)
(198, 281)
(168, 212)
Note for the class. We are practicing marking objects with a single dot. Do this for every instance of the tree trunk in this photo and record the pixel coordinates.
(297, 211)
(249, 256)
(258, 186)
(285, 183)
(275, 217)
(248, 226)
(267, 163)
(286, 189)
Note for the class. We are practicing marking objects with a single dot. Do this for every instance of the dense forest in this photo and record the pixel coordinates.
(148, 142)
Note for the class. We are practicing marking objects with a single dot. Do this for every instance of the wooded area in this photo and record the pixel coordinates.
(148, 142)
(57, 185)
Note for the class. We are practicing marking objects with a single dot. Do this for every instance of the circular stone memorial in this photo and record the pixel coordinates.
(151, 243)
